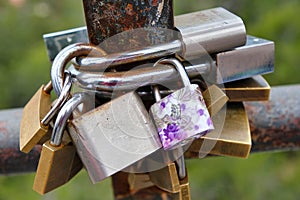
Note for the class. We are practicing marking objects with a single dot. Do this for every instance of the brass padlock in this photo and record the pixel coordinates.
(57, 165)
(235, 137)
(166, 178)
(38, 113)
(59, 161)
(31, 129)
(114, 135)
(215, 99)
(255, 88)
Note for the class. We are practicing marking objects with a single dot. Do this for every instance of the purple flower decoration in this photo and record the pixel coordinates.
(162, 105)
(201, 112)
(183, 106)
(171, 131)
(209, 122)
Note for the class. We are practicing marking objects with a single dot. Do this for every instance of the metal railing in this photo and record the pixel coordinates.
(274, 124)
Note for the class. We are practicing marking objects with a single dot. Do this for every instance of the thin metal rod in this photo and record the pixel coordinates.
(275, 126)
(121, 58)
(133, 79)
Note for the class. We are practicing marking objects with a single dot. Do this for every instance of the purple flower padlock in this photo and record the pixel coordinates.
(182, 115)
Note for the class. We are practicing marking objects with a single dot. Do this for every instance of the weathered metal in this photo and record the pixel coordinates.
(105, 18)
(260, 49)
(12, 160)
(216, 30)
(274, 124)
(213, 30)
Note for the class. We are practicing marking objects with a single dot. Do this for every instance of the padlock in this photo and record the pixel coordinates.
(38, 113)
(166, 178)
(235, 137)
(181, 115)
(215, 99)
(31, 129)
(114, 135)
(59, 161)
(255, 88)
(183, 192)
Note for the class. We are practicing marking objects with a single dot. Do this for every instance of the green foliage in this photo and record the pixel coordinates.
(79, 188)
(24, 67)
(24, 63)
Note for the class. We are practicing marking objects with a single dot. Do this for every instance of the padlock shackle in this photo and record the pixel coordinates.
(60, 101)
(64, 57)
(131, 80)
(179, 67)
(63, 116)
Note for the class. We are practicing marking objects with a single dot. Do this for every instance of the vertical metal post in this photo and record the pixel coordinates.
(105, 18)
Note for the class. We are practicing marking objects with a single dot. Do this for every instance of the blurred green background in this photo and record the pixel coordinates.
(24, 66)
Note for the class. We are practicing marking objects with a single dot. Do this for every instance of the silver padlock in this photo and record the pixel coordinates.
(182, 115)
(113, 136)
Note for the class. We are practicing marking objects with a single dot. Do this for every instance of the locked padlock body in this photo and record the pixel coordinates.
(31, 129)
(166, 178)
(57, 165)
(215, 99)
(180, 116)
(114, 135)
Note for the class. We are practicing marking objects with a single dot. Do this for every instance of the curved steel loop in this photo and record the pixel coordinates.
(63, 116)
(65, 56)
(129, 80)
(179, 67)
(114, 59)
(60, 101)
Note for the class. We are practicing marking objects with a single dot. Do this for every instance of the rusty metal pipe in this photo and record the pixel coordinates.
(105, 18)
(11, 159)
(275, 126)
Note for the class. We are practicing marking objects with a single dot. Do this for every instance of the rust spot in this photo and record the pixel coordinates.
(154, 2)
(129, 10)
